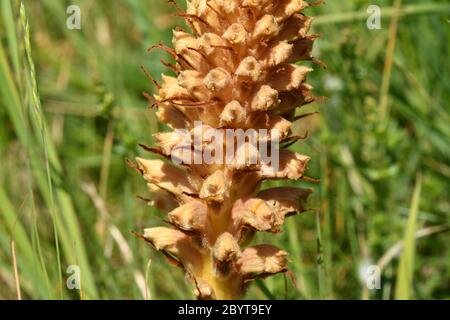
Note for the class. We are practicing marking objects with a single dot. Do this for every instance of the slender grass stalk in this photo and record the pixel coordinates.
(41, 127)
(387, 73)
(405, 271)
(13, 103)
(44, 165)
(321, 272)
(16, 270)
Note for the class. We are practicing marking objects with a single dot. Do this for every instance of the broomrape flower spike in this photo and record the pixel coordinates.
(237, 69)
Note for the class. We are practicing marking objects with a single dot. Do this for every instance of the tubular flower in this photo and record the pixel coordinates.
(236, 70)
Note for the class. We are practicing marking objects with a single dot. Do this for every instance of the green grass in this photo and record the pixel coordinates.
(405, 267)
(71, 112)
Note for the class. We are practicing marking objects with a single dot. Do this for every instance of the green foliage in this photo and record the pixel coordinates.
(72, 111)
(406, 264)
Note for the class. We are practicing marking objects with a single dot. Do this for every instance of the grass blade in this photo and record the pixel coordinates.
(406, 266)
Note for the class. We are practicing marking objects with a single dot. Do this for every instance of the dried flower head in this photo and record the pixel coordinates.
(236, 70)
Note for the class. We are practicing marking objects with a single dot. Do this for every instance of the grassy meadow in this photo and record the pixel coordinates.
(72, 112)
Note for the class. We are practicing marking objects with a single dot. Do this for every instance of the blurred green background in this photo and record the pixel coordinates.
(72, 111)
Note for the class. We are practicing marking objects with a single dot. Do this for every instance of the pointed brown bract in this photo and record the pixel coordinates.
(237, 69)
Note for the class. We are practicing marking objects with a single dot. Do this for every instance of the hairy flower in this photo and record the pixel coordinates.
(236, 69)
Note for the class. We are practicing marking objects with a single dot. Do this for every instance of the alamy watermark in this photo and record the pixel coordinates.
(371, 276)
(73, 21)
(74, 279)
(374, 19)
(232, 147)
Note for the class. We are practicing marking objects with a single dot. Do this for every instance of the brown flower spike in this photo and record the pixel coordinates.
(236, 70)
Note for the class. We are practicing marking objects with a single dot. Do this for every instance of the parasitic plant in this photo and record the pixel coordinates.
(236, 70)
